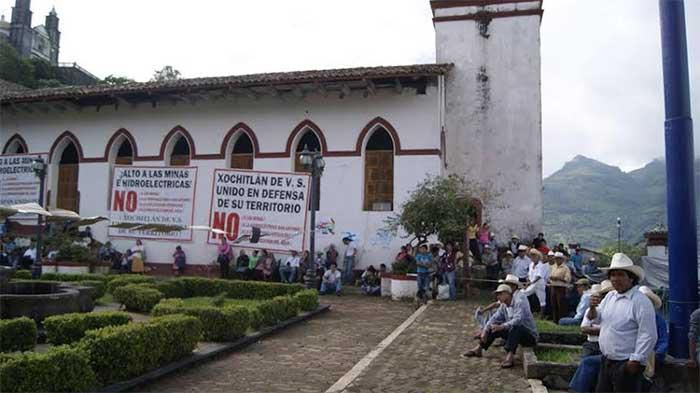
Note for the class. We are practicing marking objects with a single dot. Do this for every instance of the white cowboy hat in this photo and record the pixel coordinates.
(605, 287)
(550, 253)
(509, 253)
(503, 288)
(559, 254)
(621, 261)
(515, 237)
(595, 288)
(522, 247)
(511, 279)
(655, 299)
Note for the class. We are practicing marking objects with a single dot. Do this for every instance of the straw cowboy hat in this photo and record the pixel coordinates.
(605, 287)
(511, 279)
(656, 300)
(595, 288)
(503, 288)
(522, 247)
(509, 253)
(621, 261)
(582, 281)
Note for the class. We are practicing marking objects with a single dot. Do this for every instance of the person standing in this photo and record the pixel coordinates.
(537, 277)
(513, 244)
(331, 256)
(473, 241)
(507, 263)
(627, 328)
(179, 261)
(424, 261)
(349, 260)
(225, 254)
(576, 260)
(483, 235)
(489, 259)
(252, 264)
(521, 264)
(559, 279)
(138, 258)
(448, 269)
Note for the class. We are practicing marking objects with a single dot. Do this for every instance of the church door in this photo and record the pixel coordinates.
(68, 196)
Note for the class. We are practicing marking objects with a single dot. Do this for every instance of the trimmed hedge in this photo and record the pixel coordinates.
(277, 310)
(100, 287)
(61, 369)
(118, 353)
(22, 275)
(127, 280)
(69, 328)
(172, 288)
(306, 300)
(76, 277)
(220, 323)
(137, 297)
(17, 334)
(199, 286)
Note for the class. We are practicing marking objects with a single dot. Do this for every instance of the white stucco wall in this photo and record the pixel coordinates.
(272, 119)
(493, 111)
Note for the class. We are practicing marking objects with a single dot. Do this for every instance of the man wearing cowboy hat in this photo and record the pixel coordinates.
(582, 286)
(513, 321)
(559, 279)
(483, 314)
(507, 263)
(513, 244)
(627, 328)
(521, 264)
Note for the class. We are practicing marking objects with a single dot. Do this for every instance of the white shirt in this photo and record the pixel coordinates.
(331, 277)
(521, 266)
(31, 253)
(293, 261)
(627, 326)
(537, 272)
(588, 323)
(351, 250)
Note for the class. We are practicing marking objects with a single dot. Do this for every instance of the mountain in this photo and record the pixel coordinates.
(584, 198)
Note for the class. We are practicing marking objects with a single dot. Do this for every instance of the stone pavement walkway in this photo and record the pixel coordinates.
(426, 358)
(308, 357)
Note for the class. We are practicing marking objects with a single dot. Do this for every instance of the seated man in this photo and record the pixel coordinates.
(513, 321)
(242, 263)
(371, 283)
(331, 281)
(582, 289)
(288, 271)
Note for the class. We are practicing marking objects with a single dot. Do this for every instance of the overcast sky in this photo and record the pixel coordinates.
(601, 67)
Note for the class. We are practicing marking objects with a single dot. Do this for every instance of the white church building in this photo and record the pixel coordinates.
(381, 131)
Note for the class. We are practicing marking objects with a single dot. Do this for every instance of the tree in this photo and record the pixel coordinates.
(439, 206)
(634, 251)
(114, 80)
(15, 69)
(168, 73)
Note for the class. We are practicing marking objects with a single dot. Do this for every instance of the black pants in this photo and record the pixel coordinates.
(534, 303)
(613, 377)
(474, 248)
(516, 335)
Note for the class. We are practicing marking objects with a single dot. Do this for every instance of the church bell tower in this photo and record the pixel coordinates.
(21, 33)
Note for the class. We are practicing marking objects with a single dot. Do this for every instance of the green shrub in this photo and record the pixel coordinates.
(68, 328)
(17, 334)
(199, 286)
(22, 275)
(171, 288)
(306, 300)
(219, 300)
(219, 323)
(100, 287)
(76, 277)
(61, 369)
(127, 280)
(118, 353)
(256, 317)
(137, 297)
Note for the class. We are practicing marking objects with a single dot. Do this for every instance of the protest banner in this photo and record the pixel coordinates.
(275, 202)
(18, 183)
(153, 196)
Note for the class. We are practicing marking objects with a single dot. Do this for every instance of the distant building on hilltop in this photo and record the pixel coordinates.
(41, 42)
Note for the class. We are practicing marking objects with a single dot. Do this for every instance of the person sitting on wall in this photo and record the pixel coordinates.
(582, 286)
(179, 261)
(28, 258)
(252, 265)
(242, 265)
(371, 283)
(288, 271)
(513, 321)
(331, 282)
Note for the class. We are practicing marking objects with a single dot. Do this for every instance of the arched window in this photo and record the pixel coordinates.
(308, 141)
(379, 171)
(125, 153)
(68, 196)
(242, 155)
(15, 145)
(180, 155)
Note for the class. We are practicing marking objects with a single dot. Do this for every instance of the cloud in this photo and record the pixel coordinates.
(601, 69)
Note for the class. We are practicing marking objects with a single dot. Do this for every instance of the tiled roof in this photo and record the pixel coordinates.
(213, 83)
(7, 86)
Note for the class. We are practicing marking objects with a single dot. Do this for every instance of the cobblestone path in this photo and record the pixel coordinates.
(308, 357)
(426, 358)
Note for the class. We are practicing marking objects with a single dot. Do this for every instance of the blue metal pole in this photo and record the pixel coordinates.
(680, 184)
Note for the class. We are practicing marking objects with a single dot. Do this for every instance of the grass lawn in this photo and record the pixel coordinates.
(207, 301)
(556, 355)
(551, 327)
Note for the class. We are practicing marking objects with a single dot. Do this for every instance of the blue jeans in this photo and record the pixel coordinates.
(586, 376)
(423, 280)
(288, 273)
(348, 264)
(570, 321)
(449, 278)
(330, 288)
